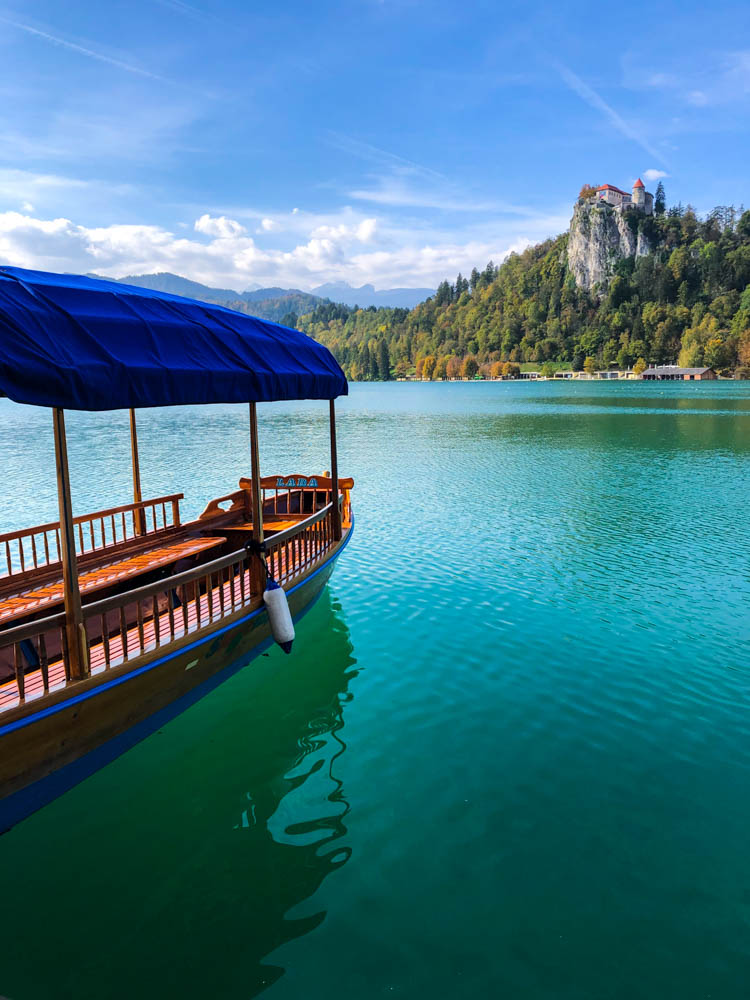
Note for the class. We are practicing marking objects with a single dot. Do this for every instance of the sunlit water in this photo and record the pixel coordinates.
(509, 756)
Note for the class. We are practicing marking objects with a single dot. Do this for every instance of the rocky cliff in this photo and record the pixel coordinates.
(600, 236)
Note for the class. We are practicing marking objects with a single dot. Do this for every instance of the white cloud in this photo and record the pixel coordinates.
(363, 231)
(654, 175)
(82, 50)
(723, 79)
(27, 206)
(268, 225)
(594, 100)
(341, 247)
(221, 227)
(697, 98)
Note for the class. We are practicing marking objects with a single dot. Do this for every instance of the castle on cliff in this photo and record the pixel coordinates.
(641, 199)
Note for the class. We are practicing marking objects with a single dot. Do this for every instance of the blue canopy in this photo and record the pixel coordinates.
(91, 344)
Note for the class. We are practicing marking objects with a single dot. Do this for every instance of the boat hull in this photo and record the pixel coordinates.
(47, 752)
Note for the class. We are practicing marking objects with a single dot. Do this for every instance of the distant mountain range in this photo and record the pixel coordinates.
(276, 303)
(366, 295)
(269, 303)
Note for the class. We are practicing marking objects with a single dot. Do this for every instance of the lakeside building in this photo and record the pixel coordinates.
(673, 373)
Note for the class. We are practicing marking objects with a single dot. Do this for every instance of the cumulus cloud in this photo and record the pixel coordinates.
(268, 225)
(221, 227)
(363, 232)
(654, 175)
(347, 248)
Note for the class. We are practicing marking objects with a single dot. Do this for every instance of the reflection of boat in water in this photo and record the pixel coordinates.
(113, 622)
(295, 822)
(205, 842)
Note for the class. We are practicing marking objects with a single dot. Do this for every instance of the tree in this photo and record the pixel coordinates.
(587, 191)
(384, 360)
(428, 366)
(640, 366)
(453, 366)
(691, 289)
(589, 365)
(609, 353)
(444, 294)
(497, 369)
(660, 201)
(365, 361)
(440, 370)
(548, 369)
(470, 367)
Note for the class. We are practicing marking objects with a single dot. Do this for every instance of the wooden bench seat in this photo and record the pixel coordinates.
(116, 572)
(269, 527)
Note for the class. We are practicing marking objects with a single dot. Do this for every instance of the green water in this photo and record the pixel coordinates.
(509, 756)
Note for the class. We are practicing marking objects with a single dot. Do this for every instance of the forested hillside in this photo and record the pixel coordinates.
(687, 302)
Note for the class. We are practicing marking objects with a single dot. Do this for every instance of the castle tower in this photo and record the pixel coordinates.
(639, 195)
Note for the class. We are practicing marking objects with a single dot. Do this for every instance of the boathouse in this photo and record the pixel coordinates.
(673, 373)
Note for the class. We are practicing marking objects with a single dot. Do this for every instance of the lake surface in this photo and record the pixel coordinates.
(509, 755)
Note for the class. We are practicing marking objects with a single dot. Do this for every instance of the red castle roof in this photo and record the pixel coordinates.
(639, 184)
(611, 187)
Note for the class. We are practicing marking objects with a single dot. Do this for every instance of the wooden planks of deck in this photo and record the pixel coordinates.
(156, 631)
(105, 576)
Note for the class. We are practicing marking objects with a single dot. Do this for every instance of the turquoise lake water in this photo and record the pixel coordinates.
(509, 755)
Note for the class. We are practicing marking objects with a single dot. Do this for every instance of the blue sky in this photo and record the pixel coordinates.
(384, 141)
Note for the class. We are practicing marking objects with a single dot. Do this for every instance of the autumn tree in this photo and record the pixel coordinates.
(589, 365)
(428, 366)
(453, 366)
(497, 369)
(640, 366)
(587, 191)
(470, 367)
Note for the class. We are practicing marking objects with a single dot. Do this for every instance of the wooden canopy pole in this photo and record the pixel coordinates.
(255, 472)
(334, 473)
(257, 572)
(137, 497)
(78, 664)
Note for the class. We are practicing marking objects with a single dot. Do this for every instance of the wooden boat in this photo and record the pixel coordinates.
(113, 622)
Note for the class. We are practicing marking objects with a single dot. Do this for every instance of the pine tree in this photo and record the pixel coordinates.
(384, 360)
(660, 201)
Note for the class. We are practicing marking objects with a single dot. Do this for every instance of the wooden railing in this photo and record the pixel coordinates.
(285, 495)
(37, 548)
(127, 626)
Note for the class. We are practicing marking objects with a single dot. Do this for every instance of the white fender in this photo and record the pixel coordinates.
(282, 626)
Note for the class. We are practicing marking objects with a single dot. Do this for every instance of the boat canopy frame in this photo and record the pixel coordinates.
(76, 342)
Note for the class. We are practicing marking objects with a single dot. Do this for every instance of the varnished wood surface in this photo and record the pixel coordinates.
(114, 573)
(289, 565)
(55, 739)
(269, 527)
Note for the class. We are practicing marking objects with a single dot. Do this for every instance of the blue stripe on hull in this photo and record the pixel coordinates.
(28, 800)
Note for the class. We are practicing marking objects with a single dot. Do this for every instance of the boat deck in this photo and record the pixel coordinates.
(174, 620)
(116, 572)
